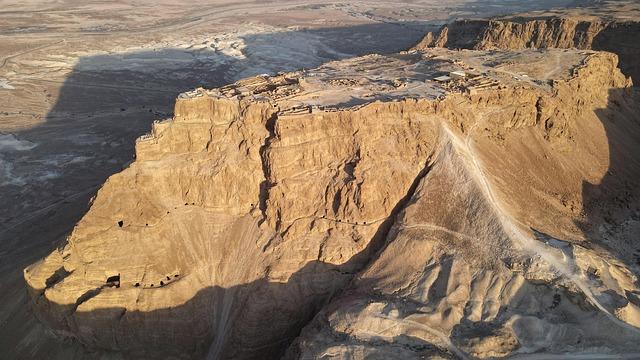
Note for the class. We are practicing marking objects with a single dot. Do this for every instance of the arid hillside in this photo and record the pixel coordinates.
(369, 208)
(513, 244)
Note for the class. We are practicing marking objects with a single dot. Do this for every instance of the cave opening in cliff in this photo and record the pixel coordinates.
(114, 280)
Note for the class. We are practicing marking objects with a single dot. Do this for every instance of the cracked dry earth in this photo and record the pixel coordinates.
(363, 210)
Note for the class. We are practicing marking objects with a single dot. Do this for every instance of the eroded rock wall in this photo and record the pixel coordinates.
(232, 220)
(238, 223)
(617, 37)
(489, 258)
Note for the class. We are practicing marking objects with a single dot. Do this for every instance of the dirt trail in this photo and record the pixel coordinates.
(558, 66)
(513, 228)
(440, 335)
(10, 57)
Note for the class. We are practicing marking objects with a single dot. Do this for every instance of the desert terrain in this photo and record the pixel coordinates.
(305, 179)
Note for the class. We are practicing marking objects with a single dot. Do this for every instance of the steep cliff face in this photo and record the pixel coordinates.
(246, 213)
(480, 263)
(231, 228)
(467, 285)
(620, 38)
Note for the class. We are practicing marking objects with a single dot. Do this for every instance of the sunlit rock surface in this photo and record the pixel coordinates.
(391, 214)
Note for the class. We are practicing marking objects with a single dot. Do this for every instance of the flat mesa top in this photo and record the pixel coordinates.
(425, 75)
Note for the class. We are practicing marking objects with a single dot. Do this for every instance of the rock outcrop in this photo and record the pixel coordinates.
(476, 266)
(406, 217)
(618, 37)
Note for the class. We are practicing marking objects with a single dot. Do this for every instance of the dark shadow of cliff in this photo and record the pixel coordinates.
(189, 330)
(610, 214)
(611, 207)
(104, 104)
(622, 39)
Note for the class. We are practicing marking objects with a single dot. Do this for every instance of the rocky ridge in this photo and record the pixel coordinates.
(616, 36)
(247, 214)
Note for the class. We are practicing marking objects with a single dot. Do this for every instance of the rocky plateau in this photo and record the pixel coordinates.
(619, 36)
(366, 209)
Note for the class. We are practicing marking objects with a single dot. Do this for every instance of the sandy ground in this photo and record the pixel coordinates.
(81, 80)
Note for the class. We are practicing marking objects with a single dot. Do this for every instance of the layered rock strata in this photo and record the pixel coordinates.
(618, 37)
(258, 203)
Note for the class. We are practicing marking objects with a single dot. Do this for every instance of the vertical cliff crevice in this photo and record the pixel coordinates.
(267, 183)
(385, 234)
